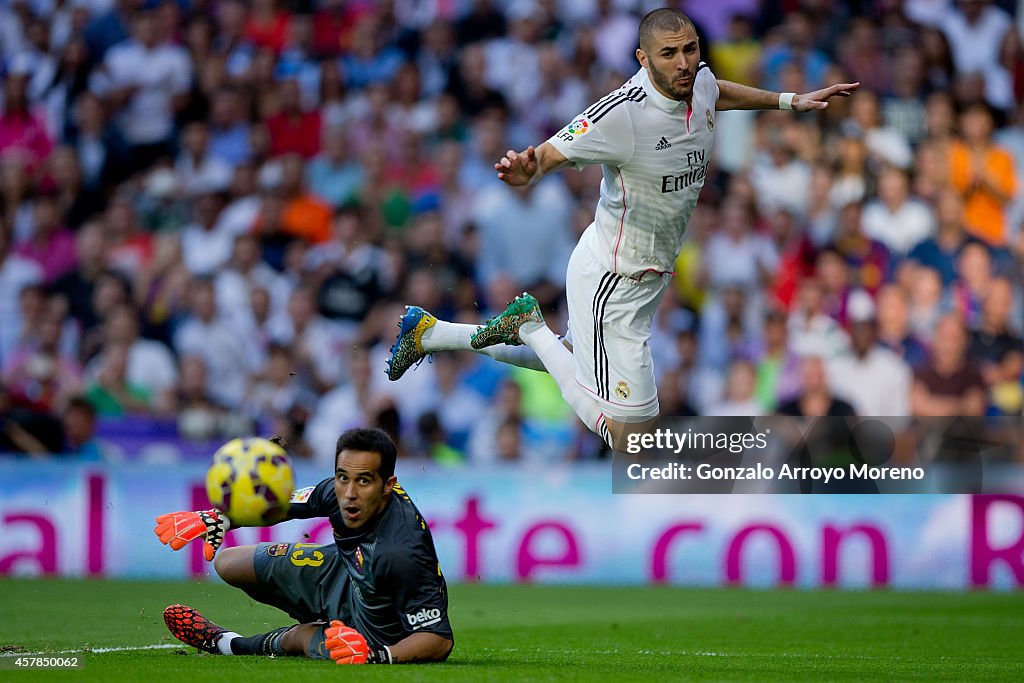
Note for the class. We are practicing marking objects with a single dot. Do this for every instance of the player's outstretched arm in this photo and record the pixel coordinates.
(421, 647)
(178, 529)
(736, 96)
(530, 165)
(348, 646)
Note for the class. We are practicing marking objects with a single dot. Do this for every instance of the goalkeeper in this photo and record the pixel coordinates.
(374, 596)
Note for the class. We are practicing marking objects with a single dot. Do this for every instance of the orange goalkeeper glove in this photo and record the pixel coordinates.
(346, 645)
(178, 529)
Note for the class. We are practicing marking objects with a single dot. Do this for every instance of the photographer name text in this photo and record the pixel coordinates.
(759, 472)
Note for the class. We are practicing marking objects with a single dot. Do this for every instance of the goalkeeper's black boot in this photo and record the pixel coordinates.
(192, 628)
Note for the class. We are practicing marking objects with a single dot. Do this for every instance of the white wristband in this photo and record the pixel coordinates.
(786, 100)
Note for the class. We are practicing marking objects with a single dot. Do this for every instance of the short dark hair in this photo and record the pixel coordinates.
(371, 441)
(661, 19)
(83, 404)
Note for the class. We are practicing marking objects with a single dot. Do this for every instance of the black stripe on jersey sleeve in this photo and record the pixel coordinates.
(598, 112)
(604, 100)
(635, 95)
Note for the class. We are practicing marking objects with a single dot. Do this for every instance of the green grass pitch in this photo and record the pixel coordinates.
(552, 633)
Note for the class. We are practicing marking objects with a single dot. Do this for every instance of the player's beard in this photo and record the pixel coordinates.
(667, 84)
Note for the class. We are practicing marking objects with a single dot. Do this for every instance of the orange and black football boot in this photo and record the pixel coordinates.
(192, 628)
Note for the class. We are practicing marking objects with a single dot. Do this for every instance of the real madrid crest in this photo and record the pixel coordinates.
(711, 121)
(622, 390)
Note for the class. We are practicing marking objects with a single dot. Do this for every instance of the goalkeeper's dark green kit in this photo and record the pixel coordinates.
(383, 579)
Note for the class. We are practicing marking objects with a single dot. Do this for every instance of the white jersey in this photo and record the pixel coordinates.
(654, 153)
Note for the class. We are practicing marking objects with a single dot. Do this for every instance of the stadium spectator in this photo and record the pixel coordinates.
(78, 424)
(866, 261)
(333, 175)
(781, 178)
(738, 54)
(318, 344)
(894, 330)
(149, 365)
(740, 397)
(998, 349)
(304, 215)
(291, 128)
(77, 285)
(23, 135)
(145, 81)
(109, 390)
(815, 399)
(349, 404)
(949, 384)
(940, 251)
(776, 366)
(821, 211)
(205, 334)
(103, 151)
(870, 377)
(371, 59)
(245, 272)
(200, 171)
(795, 47)
(230, 129)
(736, 255)
(903, 109)
(74, 202)
(39, 375)
(975, 272)
(16, 273)
(976, 30)
(811, 330)
(885, 146)
(983, 174)
(851, 182)
(272, 392)
(205, 243)
(896, 219)
(524, 236)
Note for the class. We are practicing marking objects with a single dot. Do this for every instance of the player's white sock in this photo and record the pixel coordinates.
(446, 336)
(558, 361)
(521, 356)
(224, 642)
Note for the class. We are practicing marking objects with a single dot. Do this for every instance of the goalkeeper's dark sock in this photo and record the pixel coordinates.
(264, 644)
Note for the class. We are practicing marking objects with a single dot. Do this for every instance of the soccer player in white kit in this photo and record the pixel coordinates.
(653, 139)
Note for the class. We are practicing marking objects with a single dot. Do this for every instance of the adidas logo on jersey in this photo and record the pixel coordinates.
(662, 144)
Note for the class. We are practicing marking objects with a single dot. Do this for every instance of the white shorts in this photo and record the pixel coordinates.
(610, 319)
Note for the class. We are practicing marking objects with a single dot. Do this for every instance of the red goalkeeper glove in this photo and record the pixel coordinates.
(178, 529)
(346, 645)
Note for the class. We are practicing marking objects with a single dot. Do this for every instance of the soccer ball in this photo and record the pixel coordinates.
(251, 481)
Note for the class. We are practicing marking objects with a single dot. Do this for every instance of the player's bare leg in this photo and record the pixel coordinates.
(619, 432)
(297, 639)
(236, 566)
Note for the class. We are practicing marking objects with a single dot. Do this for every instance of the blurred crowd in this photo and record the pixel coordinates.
(213, 211)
